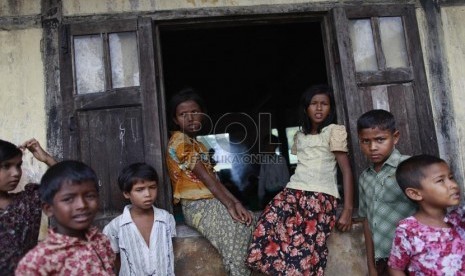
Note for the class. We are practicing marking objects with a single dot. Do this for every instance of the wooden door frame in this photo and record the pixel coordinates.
(349, 81)
(145, 95)
(246, 20)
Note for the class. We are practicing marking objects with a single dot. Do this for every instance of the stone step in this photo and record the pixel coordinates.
(195, 256)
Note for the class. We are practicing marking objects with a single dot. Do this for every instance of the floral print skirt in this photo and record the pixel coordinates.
(290, 237)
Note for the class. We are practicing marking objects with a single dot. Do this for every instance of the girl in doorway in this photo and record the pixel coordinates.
(290, 236)
(206, 204)
(20, 213)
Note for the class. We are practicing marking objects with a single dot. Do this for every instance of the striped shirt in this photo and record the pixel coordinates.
(383, 203)
(136, 257)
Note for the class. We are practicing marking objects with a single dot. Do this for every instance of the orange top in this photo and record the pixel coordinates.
(183, 153)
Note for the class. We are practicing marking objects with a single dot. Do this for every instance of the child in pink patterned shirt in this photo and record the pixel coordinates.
(69, 195)
(432, 241)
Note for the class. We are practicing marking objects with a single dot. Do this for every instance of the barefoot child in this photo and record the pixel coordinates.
(432, 241)
(290, 238)
(141, 236)
(69, 193)
(20, 213)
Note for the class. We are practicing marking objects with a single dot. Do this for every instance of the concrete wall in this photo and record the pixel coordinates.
(85, 7)
(442, 35)
(454, 35)
(22, 98)
(19, 7)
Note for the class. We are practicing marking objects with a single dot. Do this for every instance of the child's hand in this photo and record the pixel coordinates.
(39, 153)
(239, 213)
(244, 214)
(345, 220)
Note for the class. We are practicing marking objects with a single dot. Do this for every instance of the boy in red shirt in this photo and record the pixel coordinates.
(69, 193)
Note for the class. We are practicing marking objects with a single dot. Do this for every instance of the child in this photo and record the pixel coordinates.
(290, 238)
(143, 233)
(20, 213)
(69, 194)
(207, 205)
(382, 202)
(431, 242)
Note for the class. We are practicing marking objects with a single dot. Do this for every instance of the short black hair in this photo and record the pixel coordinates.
(305, 101)
(377, 118)
(135, 172)
(8, 151)
(411, 171)
(68, 171)
(184, 95)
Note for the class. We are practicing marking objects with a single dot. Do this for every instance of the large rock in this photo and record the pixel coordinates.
(194, 255)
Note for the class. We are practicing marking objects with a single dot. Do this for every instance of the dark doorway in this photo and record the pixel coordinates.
(249, 69)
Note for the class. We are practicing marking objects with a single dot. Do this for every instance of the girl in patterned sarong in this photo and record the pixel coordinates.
(207, 205)
(290, 236)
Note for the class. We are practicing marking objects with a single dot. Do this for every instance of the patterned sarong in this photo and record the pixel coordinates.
(212, 220)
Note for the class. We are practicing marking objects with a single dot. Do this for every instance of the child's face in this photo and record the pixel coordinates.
(377, 144)
(74, 208)
(189, 117)
(142, 194)
(10, 174)
(438, 187)
(318, 109)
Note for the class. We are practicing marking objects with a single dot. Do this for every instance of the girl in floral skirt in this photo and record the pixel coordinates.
(290, 237)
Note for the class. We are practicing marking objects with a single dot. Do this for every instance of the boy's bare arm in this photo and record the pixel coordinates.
(370, 248)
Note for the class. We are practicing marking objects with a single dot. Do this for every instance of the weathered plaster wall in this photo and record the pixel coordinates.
(85, 7)
(22, 94)
(19, 7)
(22, 97)
(443, 64)
(454, 35)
